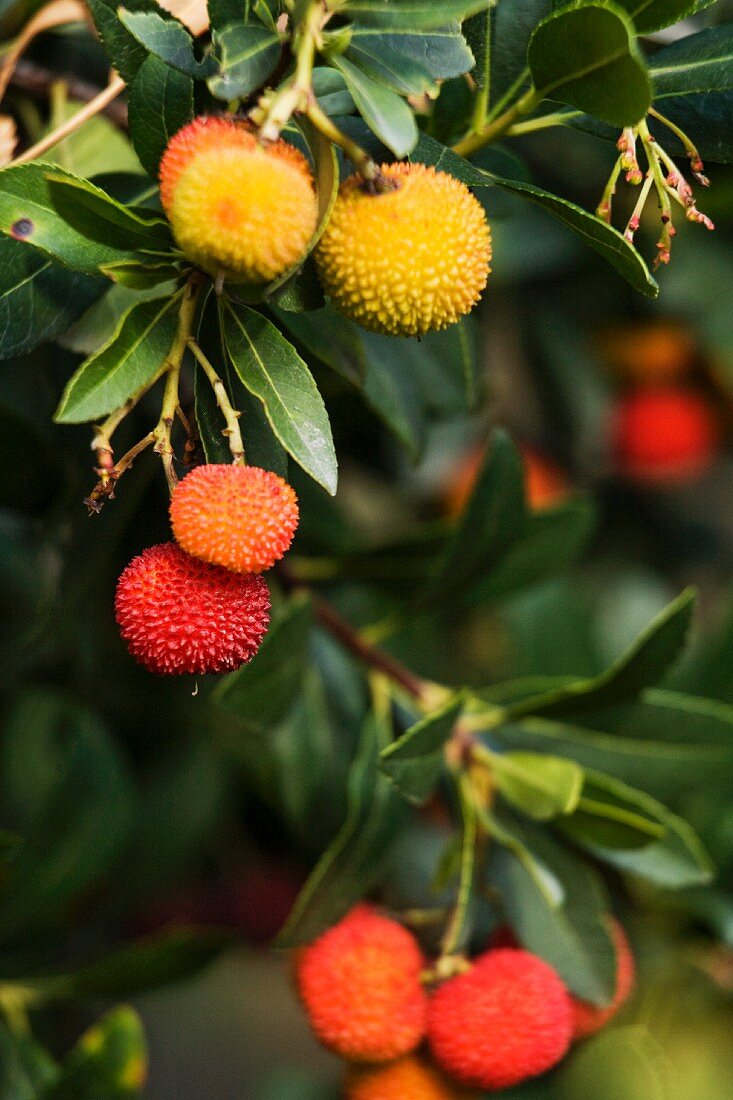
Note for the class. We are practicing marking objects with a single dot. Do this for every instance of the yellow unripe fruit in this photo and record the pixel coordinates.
(407, 260)
(237, 207)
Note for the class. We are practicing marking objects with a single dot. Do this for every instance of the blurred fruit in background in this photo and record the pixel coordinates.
(649, 352)
(664, 435)
(545, 483)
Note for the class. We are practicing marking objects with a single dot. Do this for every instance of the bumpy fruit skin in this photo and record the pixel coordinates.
(409, 260)
(507, 1019)
(240, 517)
(664, 435)
(179, 615)
(236, 206)
(588, 1018)
(410, 1078)
(360, 986)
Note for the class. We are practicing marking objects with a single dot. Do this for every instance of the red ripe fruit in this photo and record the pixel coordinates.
(589, 1018)
(662, 435)
(240, 517)
(180, 615)
(507, 1019)
(360, 985)
(410, 1078)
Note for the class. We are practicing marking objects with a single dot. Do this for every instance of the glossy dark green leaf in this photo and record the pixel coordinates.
(247, 55)
(384, 112)
(39, 298)
(442, 51)
(101, 218)
(415, 761)
(699, 63)
(492, 521)
(674, 861)
(627, 1060)
(272, 370)
(587, 56)
(168, 40)
(160, 104)
(123, 50)
(108, 1063)
(652, 15)
(478, 31)
(513, 23)
(330, 88)
(133, 357)
(259, 694)
(75, 835)
(418, 15)
(28, 213)
(351, 864)
(643, 664)
(389, 67)
(556, 904)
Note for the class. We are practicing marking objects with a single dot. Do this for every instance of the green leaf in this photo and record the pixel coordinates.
(603, 238)
(273, 371)
(385, 65)
(28, 213)
(643, 664)
(160, 104)
(674, 861)
(478, 35)
(247, 54)
(653, 15)
(551, 541)
(123, 50)
(108, 1063)
(133, 357)
(586, 55)
(384, 112)
(349, 867)
(133, 968)
(514, 22)
(141, 276)
(442, 51)
(556, 905)
(260, 694)
(168, 40)
(39, 299)
(628, 1062)
(101, 218)
(418, 15)
(492, 521)
(330, 89)
(26, 1069)
(415, 761)
(540, 786)
(75, 835)
(699, 63)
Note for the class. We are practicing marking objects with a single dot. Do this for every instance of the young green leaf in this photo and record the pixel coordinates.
(415, 761)
(272, 370)
(168, 40)
(133, 357)
(540, 786)
(586, 55)
(39, 299)
(247, 55)
(386, 114)
(160, 104)
(108, 1063)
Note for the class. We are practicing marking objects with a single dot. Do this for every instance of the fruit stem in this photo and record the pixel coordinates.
(230, 414)
(496, 129)
(297, 93)
(358, 156)
(173, 362)
(105, 487)
(457, 922)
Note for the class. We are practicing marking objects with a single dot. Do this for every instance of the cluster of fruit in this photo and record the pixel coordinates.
(502, 1018)
(403, 254)
(200, 604)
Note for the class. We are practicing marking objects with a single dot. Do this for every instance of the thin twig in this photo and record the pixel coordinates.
(230, 414)
(37, 80)
(94, 107)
